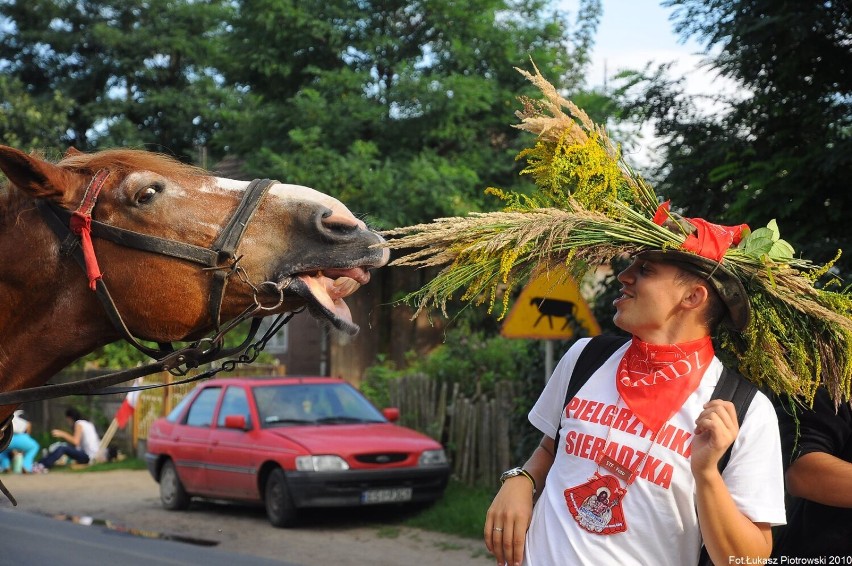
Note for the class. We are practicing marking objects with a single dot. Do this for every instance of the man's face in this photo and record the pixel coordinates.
(649, 300)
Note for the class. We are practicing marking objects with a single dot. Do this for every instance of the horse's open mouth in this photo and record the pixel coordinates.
(325, 290)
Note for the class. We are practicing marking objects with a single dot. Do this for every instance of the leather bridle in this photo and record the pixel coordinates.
(220, 259)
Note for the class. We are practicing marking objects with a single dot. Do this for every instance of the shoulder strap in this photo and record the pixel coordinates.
(735, 388)
(738, 390)
(596, 352)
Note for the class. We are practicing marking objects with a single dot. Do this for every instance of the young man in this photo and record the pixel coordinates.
(634, 478)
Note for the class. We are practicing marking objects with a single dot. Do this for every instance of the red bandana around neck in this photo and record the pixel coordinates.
(655, 379)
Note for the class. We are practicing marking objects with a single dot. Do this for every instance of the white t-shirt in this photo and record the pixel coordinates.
(90, 442)
(19, 424)
(659, 506)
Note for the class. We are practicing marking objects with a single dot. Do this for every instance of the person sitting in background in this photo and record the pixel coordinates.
(82, 446)
(23, 442)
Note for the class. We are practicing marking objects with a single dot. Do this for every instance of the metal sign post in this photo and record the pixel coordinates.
(550, 307)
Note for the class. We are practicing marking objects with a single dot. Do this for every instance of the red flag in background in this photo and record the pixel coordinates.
(128, 407)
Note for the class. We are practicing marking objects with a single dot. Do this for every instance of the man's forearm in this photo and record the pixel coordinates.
(540, 462)
(823, 478)
(725, 530)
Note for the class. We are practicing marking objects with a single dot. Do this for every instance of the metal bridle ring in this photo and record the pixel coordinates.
(275, 286)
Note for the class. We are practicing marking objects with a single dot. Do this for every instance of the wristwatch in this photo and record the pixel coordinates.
(518, 472)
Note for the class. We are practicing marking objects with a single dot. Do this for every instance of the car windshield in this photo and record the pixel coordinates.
(313, 403)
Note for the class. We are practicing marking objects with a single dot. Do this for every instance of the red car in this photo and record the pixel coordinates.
(290, 443)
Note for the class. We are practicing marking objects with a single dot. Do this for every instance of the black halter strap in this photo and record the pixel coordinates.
(229, 240)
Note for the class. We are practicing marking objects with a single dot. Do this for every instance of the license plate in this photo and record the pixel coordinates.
(394, 495)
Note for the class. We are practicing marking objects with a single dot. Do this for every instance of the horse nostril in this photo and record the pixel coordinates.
(338, 225)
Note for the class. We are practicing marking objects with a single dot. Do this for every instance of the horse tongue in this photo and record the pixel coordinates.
(326, 295)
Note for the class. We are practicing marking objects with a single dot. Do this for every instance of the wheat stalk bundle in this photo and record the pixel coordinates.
(589, 207)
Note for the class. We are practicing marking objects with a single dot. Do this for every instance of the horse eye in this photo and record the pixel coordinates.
(145, 195)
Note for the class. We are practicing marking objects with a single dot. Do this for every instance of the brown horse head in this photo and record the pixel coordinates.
(299, 247)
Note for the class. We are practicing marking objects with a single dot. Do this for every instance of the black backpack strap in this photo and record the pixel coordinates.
(738, 390)
(597, 351)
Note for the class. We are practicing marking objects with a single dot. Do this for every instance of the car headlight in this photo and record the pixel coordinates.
(432, 458)
(327, 463)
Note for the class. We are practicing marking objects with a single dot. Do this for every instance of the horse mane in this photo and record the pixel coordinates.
(123, 161)
(120, 161)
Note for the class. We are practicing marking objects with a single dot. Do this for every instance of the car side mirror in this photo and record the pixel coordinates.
(235, 421)
(391, 414)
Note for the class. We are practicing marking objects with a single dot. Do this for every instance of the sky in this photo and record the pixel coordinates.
(632, 33)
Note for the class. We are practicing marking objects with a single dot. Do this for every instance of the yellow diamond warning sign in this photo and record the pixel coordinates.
(550, 307)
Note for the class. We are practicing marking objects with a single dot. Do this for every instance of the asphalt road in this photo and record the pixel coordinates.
(36, 540)
(127, 519)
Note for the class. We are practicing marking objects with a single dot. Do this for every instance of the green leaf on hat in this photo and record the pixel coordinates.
(781, 250)
(767, 242)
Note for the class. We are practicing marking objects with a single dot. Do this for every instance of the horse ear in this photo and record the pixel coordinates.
(71, 152)
(36, 176)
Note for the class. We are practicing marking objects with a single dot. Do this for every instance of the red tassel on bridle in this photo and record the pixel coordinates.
(81, 225)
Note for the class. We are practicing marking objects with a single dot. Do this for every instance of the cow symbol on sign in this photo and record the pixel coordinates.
(557, 308)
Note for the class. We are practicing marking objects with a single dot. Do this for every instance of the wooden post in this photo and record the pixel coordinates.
(105, 440)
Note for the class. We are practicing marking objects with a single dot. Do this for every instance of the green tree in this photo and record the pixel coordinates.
(27, 123)
(402, 108)
(782, 148)
(138, 71)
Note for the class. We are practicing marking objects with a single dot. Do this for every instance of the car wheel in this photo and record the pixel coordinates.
(172, 493)
(279, 504)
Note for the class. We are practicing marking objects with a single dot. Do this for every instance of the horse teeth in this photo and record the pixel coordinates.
(345, 286)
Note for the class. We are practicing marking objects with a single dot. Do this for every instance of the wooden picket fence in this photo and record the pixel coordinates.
(475, 430)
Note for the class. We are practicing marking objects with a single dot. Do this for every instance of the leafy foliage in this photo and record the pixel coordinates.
(782, 147)
(138, 71)
(29, 123)
(399, 108)
(470, 358)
